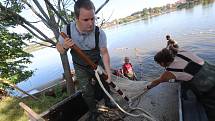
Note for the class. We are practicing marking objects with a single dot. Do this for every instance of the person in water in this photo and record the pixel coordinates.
(195, 73)
(171, 44)
(127, 70)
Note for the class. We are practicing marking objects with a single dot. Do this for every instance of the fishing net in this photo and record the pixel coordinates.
(156, 104)
(132, 89)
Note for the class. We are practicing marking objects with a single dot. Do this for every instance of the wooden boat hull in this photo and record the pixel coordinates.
(74, 107)
(70, 109)
(167, 101)
(190, 109)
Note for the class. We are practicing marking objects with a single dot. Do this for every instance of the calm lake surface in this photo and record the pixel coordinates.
(193, 29)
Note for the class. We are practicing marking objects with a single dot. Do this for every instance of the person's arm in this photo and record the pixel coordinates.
(167, 45)
(64, 44)
(165, 77)
(60, 48)
(106, 61)
(171, 47)
(135, 76)
(63, 47)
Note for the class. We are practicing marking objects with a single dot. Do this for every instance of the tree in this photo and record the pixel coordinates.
(12, 56)
(53, 16)
(145, 12)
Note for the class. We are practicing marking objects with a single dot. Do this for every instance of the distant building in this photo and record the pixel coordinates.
(181, 1)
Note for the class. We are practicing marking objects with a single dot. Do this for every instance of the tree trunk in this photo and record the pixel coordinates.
(67, 74)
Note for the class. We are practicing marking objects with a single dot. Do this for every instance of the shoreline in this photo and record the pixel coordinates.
(140, 19)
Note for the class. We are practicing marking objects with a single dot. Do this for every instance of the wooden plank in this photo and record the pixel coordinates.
(180, 103)
(33, 116)
(15, 87)
(84, 117)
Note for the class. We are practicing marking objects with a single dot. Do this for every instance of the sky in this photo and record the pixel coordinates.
(114, 9)
(123, 8)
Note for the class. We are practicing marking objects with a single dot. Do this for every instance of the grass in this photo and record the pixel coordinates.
(11, 111)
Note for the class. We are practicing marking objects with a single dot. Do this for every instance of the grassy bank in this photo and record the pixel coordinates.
(11, 111)
(34, 47)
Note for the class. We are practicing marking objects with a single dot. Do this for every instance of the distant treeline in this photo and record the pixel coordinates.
(150, 12)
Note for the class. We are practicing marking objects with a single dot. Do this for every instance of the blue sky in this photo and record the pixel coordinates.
(122, 8)
(114, 9)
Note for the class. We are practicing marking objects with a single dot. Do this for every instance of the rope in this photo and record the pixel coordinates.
(144, 114)
(100, 70)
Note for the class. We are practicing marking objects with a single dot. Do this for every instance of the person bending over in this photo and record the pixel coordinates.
(197, 74)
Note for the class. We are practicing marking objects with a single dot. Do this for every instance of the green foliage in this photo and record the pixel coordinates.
(53, 14)
(7, 18)
(13, 59)
(14, 5)
(191, 3)
(58, 91)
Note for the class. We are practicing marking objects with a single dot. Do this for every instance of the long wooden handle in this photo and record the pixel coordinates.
(87, 60)
(83, 56)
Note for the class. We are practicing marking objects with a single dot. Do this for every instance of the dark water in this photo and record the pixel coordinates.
(193, 29)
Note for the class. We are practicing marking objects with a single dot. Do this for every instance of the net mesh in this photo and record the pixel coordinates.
(131, 88)
(159, 104)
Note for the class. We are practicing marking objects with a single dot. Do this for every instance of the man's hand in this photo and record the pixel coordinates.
(145, 89)
(60, 48)
(68, 43)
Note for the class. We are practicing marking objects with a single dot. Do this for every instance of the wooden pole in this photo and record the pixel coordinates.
(33, 116)
(87, 60)
(17, 88)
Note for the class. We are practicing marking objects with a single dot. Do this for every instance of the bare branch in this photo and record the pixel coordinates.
(102, 6)
(104, 21)
(66, 15)
(53, 23)
(37, 30)
(34, 11)
(109, 16)
(56, 12)
(41, 9)
(21, 21)
(26, 27)
(35, 21)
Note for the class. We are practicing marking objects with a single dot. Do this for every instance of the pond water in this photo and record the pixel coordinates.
(193, 29)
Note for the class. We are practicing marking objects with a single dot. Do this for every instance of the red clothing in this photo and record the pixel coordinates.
(128, 71)
(127, 68)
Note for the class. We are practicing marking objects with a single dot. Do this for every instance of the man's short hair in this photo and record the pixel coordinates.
(87, 4)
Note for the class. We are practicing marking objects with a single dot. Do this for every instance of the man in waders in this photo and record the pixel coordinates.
(92, 41)
(172, 44)
(195, 74)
